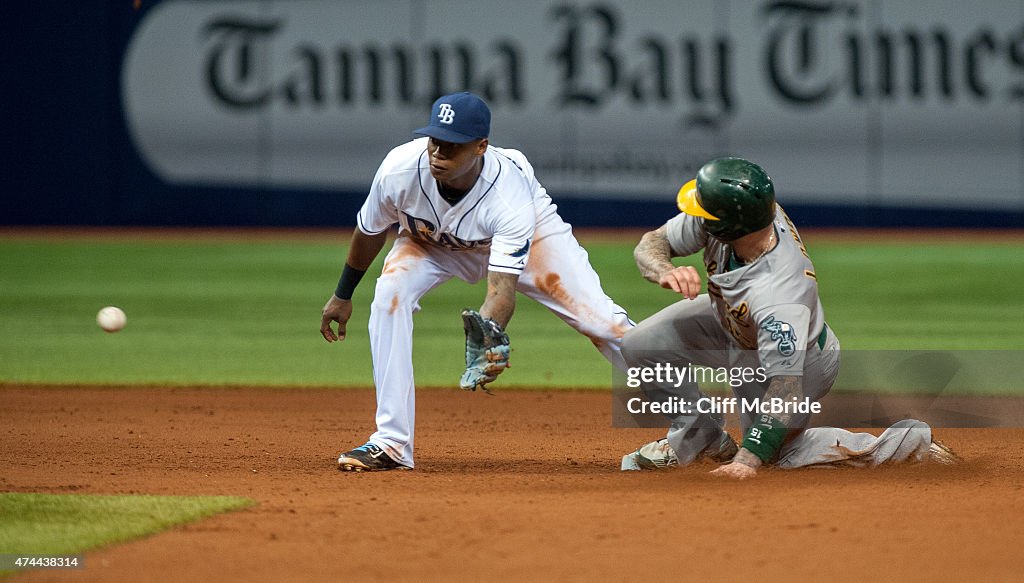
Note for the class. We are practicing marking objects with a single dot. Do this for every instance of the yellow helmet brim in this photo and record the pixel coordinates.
(688, 203)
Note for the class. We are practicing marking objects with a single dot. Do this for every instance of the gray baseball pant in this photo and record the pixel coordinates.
(689, 332)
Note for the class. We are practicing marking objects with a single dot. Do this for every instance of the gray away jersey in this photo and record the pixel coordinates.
(770, 305)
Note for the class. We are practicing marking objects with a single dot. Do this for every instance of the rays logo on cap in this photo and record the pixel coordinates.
(447, 114)
(472, 123)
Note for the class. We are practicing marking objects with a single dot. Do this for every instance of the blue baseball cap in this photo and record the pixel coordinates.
(458, 118)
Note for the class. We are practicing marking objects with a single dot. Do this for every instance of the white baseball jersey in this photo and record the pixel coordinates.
(505, 223)
(498, 212)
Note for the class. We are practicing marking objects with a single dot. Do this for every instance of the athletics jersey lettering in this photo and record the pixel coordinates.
(796, 236)
(736, 322)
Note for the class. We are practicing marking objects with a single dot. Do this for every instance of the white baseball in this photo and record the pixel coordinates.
(111, 318)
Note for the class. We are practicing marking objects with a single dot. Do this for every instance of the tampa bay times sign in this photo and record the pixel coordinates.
(868, 101)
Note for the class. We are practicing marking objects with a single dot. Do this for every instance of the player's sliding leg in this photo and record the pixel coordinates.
(660, 340)
(907, 440)
(560, 277)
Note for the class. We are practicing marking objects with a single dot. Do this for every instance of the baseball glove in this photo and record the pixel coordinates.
(487, 351)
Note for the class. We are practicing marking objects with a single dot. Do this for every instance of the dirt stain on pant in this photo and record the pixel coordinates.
(551, 285)
(408, 250)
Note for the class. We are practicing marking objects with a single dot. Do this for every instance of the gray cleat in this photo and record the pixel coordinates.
(655, 455)
(941, 453)
(658, 455)
(723, 450)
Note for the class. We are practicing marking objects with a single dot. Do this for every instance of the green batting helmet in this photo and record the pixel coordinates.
(735, 197)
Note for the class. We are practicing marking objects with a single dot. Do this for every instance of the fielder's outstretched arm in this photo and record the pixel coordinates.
(361, 253)
(501, 297)
(654, 259)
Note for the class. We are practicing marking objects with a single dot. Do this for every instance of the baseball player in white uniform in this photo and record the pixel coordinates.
(761, 312)
(470, 210)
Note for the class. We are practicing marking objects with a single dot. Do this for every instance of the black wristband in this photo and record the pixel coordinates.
(350, 277)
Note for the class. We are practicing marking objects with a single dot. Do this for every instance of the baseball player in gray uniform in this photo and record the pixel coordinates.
(469, 210)
(761, 312)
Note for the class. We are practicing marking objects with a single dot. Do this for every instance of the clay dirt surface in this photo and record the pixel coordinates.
(522, 486)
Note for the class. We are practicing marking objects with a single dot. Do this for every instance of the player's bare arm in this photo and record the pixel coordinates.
(787, 389)
(653, 255)
(746, 463)
(654, 259)
(501, 297)
(361, 253)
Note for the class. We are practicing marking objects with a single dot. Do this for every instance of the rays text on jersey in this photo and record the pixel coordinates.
(425, 230)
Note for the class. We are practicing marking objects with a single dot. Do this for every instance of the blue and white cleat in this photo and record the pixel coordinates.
(368, 457)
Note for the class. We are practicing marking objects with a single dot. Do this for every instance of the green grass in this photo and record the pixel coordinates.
(245, 313)
(956, 295)
(67, 524)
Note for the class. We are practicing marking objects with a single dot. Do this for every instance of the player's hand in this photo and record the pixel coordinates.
(335, 310)
(683, 280)
(487, 351)
(735, 470)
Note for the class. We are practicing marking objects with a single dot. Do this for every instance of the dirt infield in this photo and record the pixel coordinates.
(521, 486)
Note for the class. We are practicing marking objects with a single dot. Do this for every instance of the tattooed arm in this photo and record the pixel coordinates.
(788, 389)
(501, 297)
(653, 257)
(745, 464)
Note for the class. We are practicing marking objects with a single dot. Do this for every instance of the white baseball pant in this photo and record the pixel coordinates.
(558, 275)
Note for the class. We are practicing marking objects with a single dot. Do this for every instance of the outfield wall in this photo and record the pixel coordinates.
(276, 112)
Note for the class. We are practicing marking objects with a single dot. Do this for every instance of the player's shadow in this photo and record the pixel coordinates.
(918, 383)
